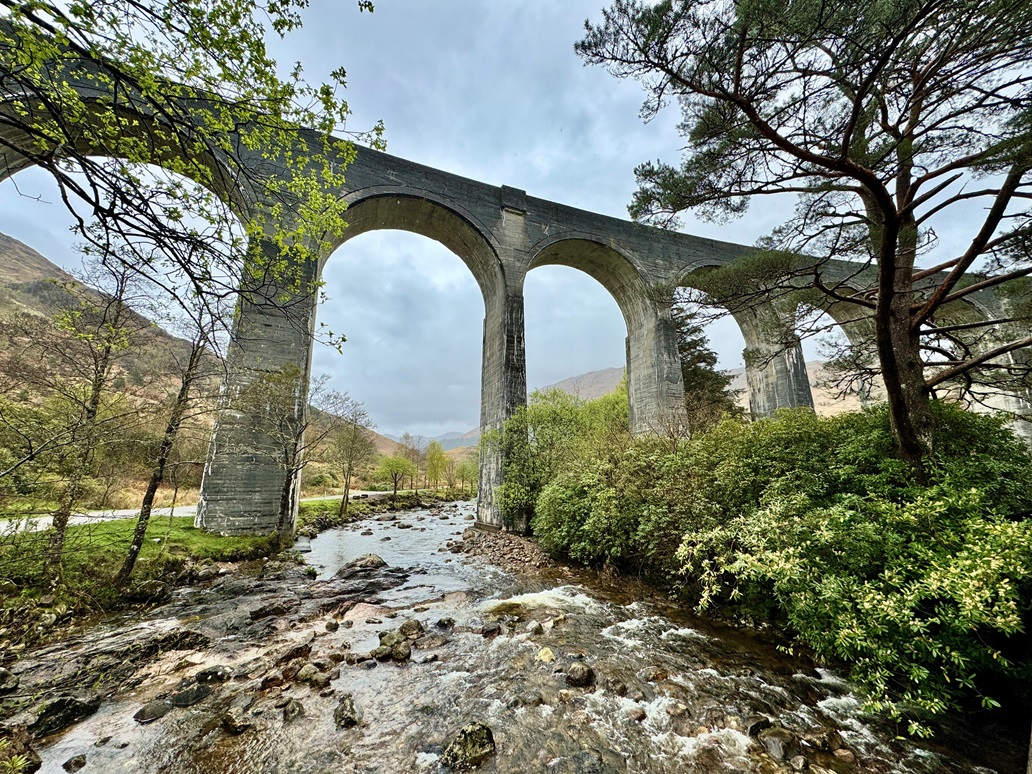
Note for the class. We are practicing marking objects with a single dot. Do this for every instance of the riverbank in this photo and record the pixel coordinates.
(371, 667)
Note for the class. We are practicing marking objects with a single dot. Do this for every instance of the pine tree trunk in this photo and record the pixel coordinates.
(899, 343)
(905, 388)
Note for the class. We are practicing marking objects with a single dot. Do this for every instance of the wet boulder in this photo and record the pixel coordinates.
(214, 674)
(579, 675)
(779, 743)
(75, 763)
(430, 641)
(401, 652)
(293, 710)
(191, 695)
(346, 715)
(151, 711)
(8, 681)
(235, 722)
(469, 748)
(361, 566)
(148, 591)
(412, 629)
(60, 713)
(391, 638)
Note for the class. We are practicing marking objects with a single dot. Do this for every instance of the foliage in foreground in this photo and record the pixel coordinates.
(923, 590)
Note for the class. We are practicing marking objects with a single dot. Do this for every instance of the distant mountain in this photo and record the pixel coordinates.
(28, 281)
(595, 384)
(591, 385)
(448, 441)
(20, 263)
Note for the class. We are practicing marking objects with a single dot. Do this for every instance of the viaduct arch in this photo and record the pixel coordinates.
(501, 233)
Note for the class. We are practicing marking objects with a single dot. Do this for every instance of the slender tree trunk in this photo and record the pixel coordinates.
(284, 529)
(52, 566)
(346, 497)
(168, 440)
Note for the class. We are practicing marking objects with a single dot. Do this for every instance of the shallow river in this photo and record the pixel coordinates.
(670, 693)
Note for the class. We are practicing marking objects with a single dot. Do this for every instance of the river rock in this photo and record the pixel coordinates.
(363, 565)
(294, 651)
(148, 591)
(491, 629)
(799, 763)
(8, 681)
(757, 723)
(545, 656)
(235, 722)
(293, 710)
(844, 755)
(272, 680)
(470, 747)
(60, 713)
(214, 674)
(779, 743)
(332, 625)
(306, 673)
(447, 624)
(430, 641)
(401, 652)
(345, 715)
(190, 695)
(579, 675)
(391, 638)
(411, 629)
(275, 607)
(616, 686)
(74, 763)
(152, 711)
(535, 627)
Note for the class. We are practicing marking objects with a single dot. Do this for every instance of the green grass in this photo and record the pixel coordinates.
(94, 553)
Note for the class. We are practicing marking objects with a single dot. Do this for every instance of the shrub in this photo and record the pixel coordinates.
(923, 588)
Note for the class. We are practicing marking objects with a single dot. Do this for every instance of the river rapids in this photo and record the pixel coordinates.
(572, 672)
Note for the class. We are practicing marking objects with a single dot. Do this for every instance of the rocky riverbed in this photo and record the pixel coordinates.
(411, 644)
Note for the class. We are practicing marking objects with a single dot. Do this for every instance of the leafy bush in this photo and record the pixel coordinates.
(922, 587)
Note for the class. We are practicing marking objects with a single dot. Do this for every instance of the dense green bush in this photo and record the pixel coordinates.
(922, 587)
(555, 433)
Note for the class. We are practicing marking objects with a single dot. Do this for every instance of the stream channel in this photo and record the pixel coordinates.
(288, 684)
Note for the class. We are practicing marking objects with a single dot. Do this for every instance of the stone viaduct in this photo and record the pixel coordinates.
(500, 234)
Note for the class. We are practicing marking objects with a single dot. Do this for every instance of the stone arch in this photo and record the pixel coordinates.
(654, 386)
(775, 369)
(503, 374)
(444, 222)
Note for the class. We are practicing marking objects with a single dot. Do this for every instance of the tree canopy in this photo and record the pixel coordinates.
(887, 123)
(154, 119)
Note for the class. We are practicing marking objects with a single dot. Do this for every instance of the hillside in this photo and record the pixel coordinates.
(20, 264)
(30, 283)
(595, 384)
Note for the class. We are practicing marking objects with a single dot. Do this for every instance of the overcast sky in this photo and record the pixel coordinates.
(492, 91)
